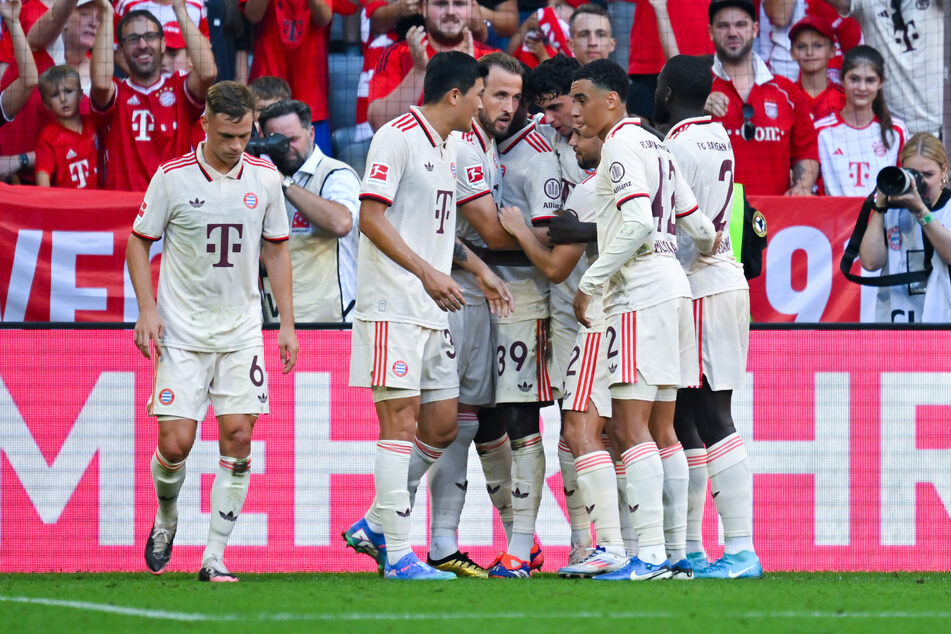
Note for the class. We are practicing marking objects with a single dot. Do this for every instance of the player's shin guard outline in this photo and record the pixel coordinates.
(228, 493)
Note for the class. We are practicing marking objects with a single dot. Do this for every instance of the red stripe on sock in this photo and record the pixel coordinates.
(638, 452)
(394, 447)
(667, 452)
(723, 448)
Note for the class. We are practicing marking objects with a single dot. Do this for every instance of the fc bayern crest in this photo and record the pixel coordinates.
(452, 168)
(250, 200)
(166, 397)
(771, 109)
(400, 368)
(894, 239)
(167, 98)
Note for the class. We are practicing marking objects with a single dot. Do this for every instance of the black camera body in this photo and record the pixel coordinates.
(273, 145)
(895, 181)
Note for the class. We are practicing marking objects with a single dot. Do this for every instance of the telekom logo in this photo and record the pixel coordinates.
(143, 122)
(224, 241)
(78, 172)
(859, 173)
(443, 202)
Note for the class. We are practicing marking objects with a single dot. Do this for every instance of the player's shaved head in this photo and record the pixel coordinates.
(689, 79)
(448, 70)
(229, 98)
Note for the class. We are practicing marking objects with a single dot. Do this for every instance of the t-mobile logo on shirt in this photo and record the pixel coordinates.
(224, 241)
(444, 203)
(143, 122)
(78, 172)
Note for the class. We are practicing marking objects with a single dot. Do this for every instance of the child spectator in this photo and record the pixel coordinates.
(265, 91)
(66, 152)
(813, 46)
(861, 139)
(544, 34)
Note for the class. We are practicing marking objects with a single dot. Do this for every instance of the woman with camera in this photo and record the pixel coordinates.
(863, 137)
(909, 231)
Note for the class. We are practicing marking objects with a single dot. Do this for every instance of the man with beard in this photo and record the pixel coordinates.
(397, 83)
(766, 115)
(146, 118)
(321, 196)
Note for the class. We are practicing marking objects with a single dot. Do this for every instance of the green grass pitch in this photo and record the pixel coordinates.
(351, 602)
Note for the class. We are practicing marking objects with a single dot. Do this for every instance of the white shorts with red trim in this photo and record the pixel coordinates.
(564, 332)
(186, 381)
(722, 325)
(393, 354)
(522, 355)
(586, 377)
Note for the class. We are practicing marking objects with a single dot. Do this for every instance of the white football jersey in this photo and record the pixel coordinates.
(571, 172)
(412, 170)
(582, 203)
(635, 164)
(213, 224)
(850, 158)
(531, 181)
(704, 156)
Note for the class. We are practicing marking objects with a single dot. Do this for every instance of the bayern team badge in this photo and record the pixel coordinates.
(400, 368)
(166, 396)
(250, 200)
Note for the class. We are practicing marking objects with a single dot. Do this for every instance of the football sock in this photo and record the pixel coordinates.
(227, 497)
(577, 517)
(528, 478)
(645, 491)
(628, 534)
(598, 487)
(696, 498)
(496, 458)
(732, 482)
(168, 478)
(392, 498)
(421, 458)
(447, 489)
(676, 479)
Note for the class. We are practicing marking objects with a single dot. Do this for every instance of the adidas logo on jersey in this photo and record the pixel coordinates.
(71, 154)
(133, 101)
(429, 167)
(838, 152)
(525, 386)
(612, 368)
(197, 204)
(518, 494)
(262, 398)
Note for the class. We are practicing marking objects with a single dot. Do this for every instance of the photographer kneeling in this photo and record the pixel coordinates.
(321, 196)
(909, 233)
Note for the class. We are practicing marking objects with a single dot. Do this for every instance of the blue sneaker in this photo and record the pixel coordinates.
(743, 565)
(364, 540)
(697, 560)
(638, 570)
(681, 570)
(508, 566)
(536, 558)
(409, 567)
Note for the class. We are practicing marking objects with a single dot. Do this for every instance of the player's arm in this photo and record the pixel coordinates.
(17, 93)
(149, 326)
(47, 28)
(381, 232)
(410, 87)
(495, 290)
(198, 48)
(665, 32)
(327, 214)
(277, 260)
(102, 64)
(556, 263)
(564, 228)
(320, 12)
(483, 215)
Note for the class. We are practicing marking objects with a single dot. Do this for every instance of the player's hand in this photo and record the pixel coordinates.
(416, 40)
(716, 243)
(443, 289)
(496, 293)
(288, 347)
(717, 104)
(581, 308)
(512, 220)
(149, 327)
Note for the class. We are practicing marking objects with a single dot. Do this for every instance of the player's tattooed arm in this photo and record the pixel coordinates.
(497, 294)
(460, 254)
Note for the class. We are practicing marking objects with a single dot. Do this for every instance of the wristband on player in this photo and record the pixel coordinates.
(925, 219)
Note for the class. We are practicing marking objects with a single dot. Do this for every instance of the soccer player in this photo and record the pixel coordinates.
(721, 306)
(221, 212)
(402, 347)
(640, 195)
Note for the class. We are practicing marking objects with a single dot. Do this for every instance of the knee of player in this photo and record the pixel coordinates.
(174, 449)
(236, 443)
(443, 437)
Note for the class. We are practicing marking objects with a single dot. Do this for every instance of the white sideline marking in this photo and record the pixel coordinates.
(164, 615)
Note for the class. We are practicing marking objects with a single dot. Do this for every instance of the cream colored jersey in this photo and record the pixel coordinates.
(412, 170)
(213, 225)
(571, 172)
(531, 181)
(705, 158)
(638, 168)
(479, 174)
(582, 203)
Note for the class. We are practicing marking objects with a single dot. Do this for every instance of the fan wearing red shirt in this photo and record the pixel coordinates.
(147, 118)
(397, 83)
(766, 115)
(813, 47)
(291, 39)
(66, 152)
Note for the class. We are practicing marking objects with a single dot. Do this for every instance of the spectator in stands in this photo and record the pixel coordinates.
(501, 17)
(813, 45)
(766, 115)
(15, 95)
(861, 139)
(591, 35)
(910, 36)
(79, 35)
(662, 29)
(148, 117)
(290, 42)
(265, 91)
(776, 18)
(66, 153)
(543, 34)
(230, 37)
(397, 83)
(893, 241)
(321, 196)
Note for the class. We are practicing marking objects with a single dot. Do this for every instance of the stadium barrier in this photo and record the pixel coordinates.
(62, 258)
(846, 429)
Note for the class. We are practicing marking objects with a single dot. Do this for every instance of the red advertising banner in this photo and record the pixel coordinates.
(62, 258)
(846, 430)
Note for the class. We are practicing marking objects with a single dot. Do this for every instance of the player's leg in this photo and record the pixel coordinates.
(495, 454)
(676, 478)
(696, 453)
(628, 534)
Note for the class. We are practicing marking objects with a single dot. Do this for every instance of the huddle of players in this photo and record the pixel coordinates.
(611, 330)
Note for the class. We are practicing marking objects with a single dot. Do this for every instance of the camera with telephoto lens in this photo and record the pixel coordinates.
(272, 144)
(895, 181)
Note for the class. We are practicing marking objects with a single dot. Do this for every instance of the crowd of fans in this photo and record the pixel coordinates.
(96, 94)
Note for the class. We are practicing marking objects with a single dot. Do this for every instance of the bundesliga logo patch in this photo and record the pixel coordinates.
(400, 368)
(166, 397)
(474, 174)
(142, 209)
(378, 172)
(250, 200)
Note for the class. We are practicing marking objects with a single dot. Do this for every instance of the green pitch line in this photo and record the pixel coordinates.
(364, 602)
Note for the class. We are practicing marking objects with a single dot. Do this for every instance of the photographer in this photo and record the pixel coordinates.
(320, 194)
(897, 236)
